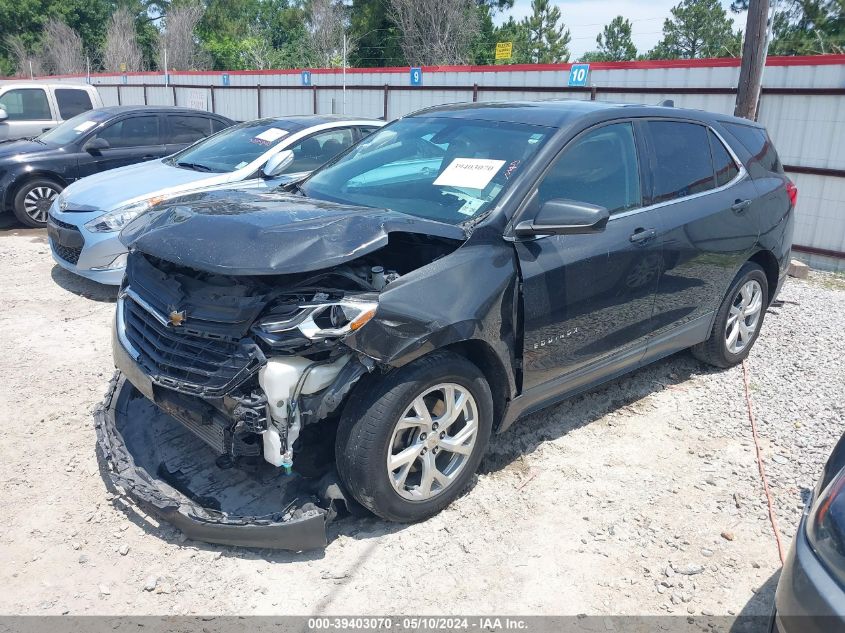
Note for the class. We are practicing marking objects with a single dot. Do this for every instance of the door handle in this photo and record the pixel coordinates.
(641, 236)
(740, 205)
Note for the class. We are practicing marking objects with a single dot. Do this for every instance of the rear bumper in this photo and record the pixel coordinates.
(808, 599)
(290, 528)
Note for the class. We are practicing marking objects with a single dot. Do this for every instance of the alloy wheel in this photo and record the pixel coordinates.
(744, 316)
(37, 202)
(432, 441)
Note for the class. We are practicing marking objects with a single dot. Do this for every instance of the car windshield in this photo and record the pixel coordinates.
(72, 129)
(233, 148)
(439, 168)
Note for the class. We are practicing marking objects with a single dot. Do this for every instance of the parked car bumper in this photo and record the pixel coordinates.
(96, 256)
(808, 598)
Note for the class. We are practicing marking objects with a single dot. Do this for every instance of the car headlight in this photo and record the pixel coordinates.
(318, 321)
(116, 219)
(826, 526)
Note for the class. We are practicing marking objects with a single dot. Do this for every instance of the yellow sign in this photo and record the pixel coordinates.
(504, 50)
(123, 68)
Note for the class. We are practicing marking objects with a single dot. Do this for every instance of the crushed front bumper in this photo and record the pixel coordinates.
(296, 526)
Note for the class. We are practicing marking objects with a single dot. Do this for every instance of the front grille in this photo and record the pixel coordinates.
(64, 225)
(187, 360)
(67, 253)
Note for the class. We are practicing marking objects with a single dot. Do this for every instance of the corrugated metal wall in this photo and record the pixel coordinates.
(803, 106)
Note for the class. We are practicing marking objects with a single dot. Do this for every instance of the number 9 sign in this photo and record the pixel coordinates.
(416, 76)
(578, 74)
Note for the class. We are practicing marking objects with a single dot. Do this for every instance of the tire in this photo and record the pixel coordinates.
(369, 431)
(33, 200)
(718, 350)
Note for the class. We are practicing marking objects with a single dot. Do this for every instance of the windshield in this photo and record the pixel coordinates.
(439, 168)
(233, 148)
(72, 129)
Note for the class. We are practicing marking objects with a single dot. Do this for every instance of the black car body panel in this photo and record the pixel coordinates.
(543, 317)
(244, 233)
(24, 159)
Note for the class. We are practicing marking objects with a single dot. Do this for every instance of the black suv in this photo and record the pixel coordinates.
(456, 270)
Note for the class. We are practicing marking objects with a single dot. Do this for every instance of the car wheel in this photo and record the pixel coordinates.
(410, 441)
(33, 200)
(738, 321)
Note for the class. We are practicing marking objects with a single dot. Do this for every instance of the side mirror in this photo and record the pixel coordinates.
(3, 115)
(565, 217)
(277, 163)
(96, 145)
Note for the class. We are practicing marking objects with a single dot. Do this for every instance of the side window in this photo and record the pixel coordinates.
(366, 131)
(600, 167)
(72, 101)
(26, 104)
(217, 125)
(757, 141)
(683, 159)
(188, 129)
(319, 149)
(726, 169)
(132, 132)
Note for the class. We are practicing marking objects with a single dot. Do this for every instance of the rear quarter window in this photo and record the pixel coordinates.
(758, 143)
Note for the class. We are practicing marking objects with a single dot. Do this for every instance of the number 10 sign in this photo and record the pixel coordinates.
(578, 74)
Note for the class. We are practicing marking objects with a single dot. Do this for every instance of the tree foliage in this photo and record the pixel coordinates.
(436, 32)
(698, 28)
(615, 43)
(547, 37)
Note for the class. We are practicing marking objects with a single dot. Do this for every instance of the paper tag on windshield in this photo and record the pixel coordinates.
(84, 126)
(270, 135)
(241, 164)
(473, 173)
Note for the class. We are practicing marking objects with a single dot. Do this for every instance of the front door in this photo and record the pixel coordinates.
(131, 140)
(586, 297)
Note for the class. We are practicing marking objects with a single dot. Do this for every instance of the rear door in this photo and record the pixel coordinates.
(185, 129)
(588, 297)
(705, 200)
(72, 101)
(28, 111)
(132, 139)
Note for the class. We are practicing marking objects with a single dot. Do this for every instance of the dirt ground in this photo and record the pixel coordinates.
(642, 497)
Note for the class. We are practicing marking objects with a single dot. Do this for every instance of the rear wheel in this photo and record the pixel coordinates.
(409, 443)
(738, 321)
(33, 201)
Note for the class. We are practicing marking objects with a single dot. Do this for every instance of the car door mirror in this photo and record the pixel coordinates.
(3, 115)
(564, 217)
(96, 145)
(277, 163)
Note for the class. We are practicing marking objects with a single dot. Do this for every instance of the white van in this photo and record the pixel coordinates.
(30, 108)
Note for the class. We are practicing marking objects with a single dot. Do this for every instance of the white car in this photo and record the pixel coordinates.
(85, 220)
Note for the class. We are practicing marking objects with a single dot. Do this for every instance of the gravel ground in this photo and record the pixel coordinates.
(642, 497)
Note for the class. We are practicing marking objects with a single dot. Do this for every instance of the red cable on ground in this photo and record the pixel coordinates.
(762, 470)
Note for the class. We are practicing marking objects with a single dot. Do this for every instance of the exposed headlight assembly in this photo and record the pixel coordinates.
(826, 526)
(116, 219)
(318, 321)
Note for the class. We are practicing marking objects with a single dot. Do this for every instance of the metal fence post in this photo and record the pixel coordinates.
(386, 92)
(258, 100)
(118, 95)
(474, 92)
(211, 88)
(314, 98)
(145, 93)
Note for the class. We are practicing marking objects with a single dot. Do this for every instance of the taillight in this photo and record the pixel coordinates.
(792, 192)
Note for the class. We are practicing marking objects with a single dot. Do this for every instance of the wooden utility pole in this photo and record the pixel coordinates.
(753, 59)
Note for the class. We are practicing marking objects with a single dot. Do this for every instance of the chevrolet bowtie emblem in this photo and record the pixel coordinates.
(176, 318)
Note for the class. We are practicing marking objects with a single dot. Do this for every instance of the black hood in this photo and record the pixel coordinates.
(23, 146)
(247, 233)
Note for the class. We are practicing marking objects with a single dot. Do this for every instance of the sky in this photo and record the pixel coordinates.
(586, 18)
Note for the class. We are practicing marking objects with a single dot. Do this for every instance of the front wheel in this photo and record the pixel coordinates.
(738, 320)
(33, 201)
(409, 442)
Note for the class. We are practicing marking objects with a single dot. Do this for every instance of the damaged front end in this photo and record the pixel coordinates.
(244, 364)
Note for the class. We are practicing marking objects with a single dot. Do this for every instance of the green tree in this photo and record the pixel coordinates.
(548, 37)
(805, 27)
(516, 32)
(376, 36)
(614, 43)
(698, 28)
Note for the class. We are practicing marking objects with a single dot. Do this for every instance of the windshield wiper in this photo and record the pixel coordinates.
(293, 187)
(194, 166)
